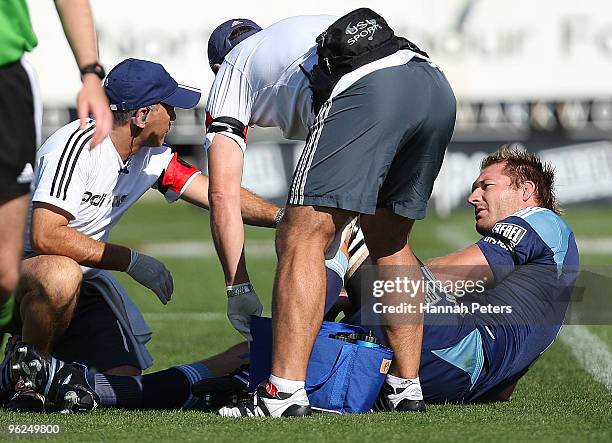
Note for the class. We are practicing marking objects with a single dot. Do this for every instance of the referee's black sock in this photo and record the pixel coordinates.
(167, 389)
(5, 379)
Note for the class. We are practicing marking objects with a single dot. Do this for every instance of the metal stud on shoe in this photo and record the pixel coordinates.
(71, 398)
(36, 365)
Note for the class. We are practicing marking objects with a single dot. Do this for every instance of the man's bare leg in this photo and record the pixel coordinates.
(299, 290)
(47, 294)
(13, 215)
(386, 236)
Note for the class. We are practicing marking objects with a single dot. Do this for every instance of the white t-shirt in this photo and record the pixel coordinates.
(262, 81)
(87, 183)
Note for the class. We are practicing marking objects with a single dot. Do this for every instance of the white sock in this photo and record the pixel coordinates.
(284, 385)
(411, 386)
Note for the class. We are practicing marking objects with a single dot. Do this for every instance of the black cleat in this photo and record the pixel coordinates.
(390, 400)
(63, 387)
(30, 369)
(70, 390)
(33, 367)
(267, 401)
(26, 399)
(228, 390)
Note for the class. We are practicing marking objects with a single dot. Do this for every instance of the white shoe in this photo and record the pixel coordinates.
(267, 401)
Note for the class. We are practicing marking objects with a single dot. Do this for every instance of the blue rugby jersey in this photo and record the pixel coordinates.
(534, 259)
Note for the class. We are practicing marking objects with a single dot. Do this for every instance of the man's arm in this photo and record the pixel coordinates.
(78, 24)
(467, 264)
(52, 236)
(225, 163)
(256, 211)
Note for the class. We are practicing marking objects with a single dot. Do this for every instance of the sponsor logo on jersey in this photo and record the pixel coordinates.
(513, 233)
(362, 29)
(496, 242)
(100, 200)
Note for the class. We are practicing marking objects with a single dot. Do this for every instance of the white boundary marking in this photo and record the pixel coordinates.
(206, 249)
(453, 236)
(591, 352)
(596, 245)
(184, 316)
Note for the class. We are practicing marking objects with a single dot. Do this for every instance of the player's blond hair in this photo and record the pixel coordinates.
(521, 166)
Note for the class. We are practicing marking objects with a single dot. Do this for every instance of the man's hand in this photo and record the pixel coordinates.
(242, 302)
(153, 274)
(92, 100)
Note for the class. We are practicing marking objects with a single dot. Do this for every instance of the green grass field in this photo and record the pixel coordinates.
(559, 399)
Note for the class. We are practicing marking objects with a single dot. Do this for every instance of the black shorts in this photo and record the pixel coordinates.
(95, 337)
(18, 131)
(379, 144)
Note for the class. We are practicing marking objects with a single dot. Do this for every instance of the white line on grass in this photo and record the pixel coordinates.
(590, 351)
(205, 249)
(598, 245)
(453, 236)
(184, 316)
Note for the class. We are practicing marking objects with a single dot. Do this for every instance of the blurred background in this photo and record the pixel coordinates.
(535, 72)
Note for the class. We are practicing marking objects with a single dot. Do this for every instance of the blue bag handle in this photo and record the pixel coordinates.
(329, 327)
(343, 354)
(339, 391)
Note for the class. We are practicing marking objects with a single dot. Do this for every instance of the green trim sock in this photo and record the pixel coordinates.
(7, 307)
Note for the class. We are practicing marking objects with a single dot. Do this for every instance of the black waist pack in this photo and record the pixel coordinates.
(356, 39)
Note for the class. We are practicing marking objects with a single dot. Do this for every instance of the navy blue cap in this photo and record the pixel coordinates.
(221, 41)
(135, 83)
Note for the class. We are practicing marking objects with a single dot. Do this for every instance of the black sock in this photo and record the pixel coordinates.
(167, 389)
(5, 377)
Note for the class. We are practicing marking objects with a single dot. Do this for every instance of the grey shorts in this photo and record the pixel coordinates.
(378, 144)
(95, 337)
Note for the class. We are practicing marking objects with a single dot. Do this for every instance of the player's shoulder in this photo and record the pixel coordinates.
(549, 226)
(156, 157)
(542, 219)
(291, 32)
(69, 139)
(313, 20)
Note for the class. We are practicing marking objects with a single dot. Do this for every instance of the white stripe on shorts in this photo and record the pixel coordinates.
(296, 196)
(36, 98)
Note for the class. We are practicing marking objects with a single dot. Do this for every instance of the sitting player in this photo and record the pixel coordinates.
(70, 304)
(528, 252)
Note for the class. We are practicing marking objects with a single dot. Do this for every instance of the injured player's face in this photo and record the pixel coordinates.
(494, 197)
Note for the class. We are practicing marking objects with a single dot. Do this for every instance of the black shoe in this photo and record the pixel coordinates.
(34, 367)
(228, 390)
(390, 400)
(31, 369)
(70, 390)
(26, 399)
(62, 386)
(267, 401)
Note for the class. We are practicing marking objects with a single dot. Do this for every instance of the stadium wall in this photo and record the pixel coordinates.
(534, 72)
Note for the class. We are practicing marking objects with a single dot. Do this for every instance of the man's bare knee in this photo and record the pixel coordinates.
(385, 233)
(56, 278)
(306, 225)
